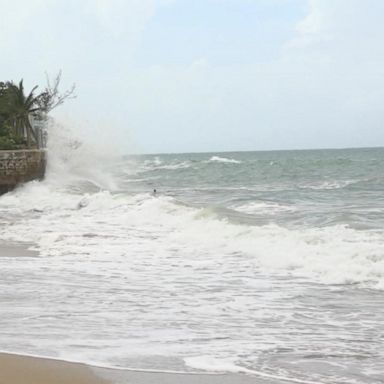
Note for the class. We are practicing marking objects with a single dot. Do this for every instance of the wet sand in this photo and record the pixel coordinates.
(17, 250)
(17, 369)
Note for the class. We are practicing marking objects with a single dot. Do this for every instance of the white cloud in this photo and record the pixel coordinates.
(14, 16)
(326, 89)
(123, 16)
(342, 29)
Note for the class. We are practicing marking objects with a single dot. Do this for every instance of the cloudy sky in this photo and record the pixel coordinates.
(206, 75)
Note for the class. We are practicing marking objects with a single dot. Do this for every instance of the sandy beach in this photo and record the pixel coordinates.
(278, 284)
(18, 369)
(16, 250)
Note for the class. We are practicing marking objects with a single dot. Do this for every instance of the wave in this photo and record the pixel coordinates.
(331, 255)
(185, 276)
(218, 159)
(182, 165)
(150, 165)
(328, 185)
(254, 207)
(174, 280)
(73, 163)
(153, 162)
(212, 364)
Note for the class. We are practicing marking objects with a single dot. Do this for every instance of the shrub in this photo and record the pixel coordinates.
(9, 141)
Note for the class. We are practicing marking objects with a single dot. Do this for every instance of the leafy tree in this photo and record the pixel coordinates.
(17, 108)
(20, 108)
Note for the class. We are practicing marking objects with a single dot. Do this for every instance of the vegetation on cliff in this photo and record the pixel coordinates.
(20, 112)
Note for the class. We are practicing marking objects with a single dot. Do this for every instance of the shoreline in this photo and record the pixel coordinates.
(19, 369)
(26, 369)
(17, 249)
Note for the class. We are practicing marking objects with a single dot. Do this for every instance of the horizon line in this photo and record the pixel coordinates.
(254, 150)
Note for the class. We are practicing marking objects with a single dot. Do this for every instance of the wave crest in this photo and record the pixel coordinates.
(218, 159)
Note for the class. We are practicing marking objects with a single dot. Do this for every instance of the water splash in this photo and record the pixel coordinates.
(76, 164)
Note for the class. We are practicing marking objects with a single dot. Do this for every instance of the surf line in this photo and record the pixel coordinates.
(270, 376)
(107, 366)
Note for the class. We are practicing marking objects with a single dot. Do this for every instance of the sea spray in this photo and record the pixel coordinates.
(237, 262)
(72, 162)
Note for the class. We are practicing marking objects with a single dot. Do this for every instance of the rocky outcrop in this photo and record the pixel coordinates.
(19, 166)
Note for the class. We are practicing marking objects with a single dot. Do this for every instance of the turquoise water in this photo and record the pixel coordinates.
(301, 188)
(266, 263)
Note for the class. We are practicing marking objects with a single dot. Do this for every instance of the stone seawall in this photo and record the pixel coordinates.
(19, 166)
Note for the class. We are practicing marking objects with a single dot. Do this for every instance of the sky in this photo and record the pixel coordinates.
(155, 76)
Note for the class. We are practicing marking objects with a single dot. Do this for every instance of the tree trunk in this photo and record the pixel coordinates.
(28, 139)
(30, 134)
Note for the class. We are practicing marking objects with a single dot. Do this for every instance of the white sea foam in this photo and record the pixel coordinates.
(325, 185)
(156, 164)
(331, 255)
(124, 277)
(156, 161)
(219, 159)
(259, 207)
(209, 363)
(160, 279)
(72, 162)
(175, 166)
(212, 364)
(152, 163)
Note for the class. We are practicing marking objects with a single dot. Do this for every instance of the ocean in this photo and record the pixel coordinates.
(265, 263)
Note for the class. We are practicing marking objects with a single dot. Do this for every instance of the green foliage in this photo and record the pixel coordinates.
(4, 130)
(10, 141)
(17, 108)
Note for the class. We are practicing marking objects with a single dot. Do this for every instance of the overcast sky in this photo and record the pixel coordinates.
(206, 75)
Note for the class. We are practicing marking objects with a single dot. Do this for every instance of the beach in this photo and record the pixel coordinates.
(16, 250)
(196, 196)
(269, 269)
(21, 369)
(18, 369)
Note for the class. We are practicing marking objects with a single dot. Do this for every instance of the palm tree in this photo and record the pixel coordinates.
(16, 108)
(20, 108)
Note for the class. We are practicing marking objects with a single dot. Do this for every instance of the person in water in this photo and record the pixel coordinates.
(154, 192)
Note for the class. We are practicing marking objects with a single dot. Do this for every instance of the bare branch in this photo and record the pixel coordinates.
(51, 97)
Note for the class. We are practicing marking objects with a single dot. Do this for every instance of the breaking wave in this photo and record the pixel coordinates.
(328, 185)
(218, 159)
(263, 207)
(173, 278)
(330, 255)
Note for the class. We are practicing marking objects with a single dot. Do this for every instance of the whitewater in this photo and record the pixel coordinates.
(263, 263)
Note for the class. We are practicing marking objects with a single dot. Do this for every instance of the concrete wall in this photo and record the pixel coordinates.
(20, 166)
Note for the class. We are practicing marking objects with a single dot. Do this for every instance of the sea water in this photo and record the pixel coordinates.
(267, 263)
